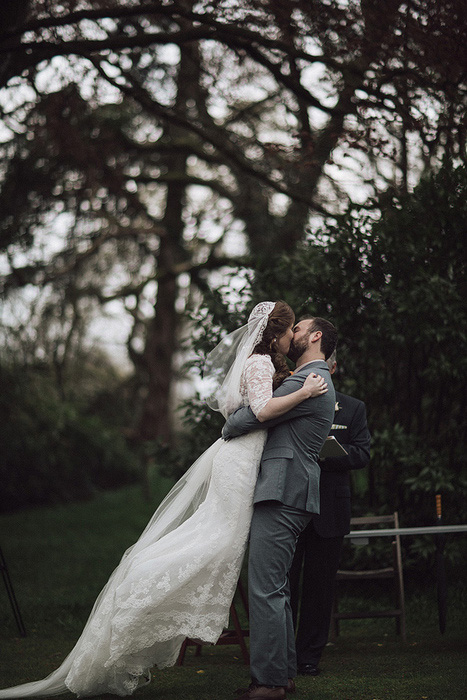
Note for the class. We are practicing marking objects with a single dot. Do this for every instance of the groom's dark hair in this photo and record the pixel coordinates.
(329, 333)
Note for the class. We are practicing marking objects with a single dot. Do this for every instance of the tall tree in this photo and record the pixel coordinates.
(251, 114)
(360, 74)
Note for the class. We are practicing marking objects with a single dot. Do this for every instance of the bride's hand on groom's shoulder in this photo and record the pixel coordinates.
(315, 385)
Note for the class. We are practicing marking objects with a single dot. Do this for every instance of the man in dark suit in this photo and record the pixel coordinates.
(286, 495)
(320, 544)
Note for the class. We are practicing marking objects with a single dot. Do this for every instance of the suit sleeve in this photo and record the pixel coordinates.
(243, 419)
(357, 445)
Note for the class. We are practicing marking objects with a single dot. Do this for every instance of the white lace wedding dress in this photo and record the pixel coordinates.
(179, 579)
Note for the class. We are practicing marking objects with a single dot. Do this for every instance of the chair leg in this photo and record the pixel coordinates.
(399, 584)
(244, 598)
(182, 653)
(240, 636)
(183, 648)
(11, 595)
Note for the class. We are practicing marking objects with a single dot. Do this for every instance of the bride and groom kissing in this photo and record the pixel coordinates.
(258, 483)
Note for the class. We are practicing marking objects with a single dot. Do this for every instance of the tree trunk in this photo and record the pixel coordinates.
(161, 339)
(162, 332)
(13, 14)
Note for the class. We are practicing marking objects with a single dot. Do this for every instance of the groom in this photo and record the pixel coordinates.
(286, 496)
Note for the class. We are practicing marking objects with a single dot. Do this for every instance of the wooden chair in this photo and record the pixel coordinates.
(393, 571)
(231, 636)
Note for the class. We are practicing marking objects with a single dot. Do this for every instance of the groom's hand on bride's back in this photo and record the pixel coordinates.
(227, 431)
(241, 421)
(225, 434)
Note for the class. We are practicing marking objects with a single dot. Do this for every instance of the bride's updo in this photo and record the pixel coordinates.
(280, 319)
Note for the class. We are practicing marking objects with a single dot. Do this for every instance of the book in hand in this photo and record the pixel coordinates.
(332, 448)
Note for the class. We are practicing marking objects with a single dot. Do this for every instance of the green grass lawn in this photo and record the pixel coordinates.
(59, 558)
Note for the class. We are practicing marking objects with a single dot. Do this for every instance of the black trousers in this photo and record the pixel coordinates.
(319, 557)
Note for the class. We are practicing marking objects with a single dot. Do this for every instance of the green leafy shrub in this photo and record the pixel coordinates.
(52, 451)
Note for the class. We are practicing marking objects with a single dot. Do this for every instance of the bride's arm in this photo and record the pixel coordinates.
(258, 378)
(314, 385)
(243, 420)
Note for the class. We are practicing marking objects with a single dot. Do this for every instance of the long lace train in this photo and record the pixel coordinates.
(177, 581)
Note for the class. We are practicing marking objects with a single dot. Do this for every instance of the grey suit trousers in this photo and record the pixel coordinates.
(275, 528)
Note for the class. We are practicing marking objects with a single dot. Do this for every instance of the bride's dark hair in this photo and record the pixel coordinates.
(280, 319)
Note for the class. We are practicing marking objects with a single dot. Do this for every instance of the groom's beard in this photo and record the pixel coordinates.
(297, 349)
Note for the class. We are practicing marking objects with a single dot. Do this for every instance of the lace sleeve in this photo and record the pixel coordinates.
(257, 381)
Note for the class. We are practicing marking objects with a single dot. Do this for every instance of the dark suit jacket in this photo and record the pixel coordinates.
(351, 430)
(289, 470)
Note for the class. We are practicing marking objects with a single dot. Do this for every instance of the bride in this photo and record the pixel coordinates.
(179, 579)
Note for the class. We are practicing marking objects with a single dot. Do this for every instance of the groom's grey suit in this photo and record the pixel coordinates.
(286, 495)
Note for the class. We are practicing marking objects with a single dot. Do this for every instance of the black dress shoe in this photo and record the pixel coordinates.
(308, 670)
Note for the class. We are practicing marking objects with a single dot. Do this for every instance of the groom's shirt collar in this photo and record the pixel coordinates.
(307, 363)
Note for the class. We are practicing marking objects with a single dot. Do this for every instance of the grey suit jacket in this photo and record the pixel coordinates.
(289, 470)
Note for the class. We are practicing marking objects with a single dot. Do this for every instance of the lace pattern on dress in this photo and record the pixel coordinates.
(256, 384)
(181, 586)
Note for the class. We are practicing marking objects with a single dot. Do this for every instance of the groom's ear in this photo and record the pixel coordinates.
(315, 336)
